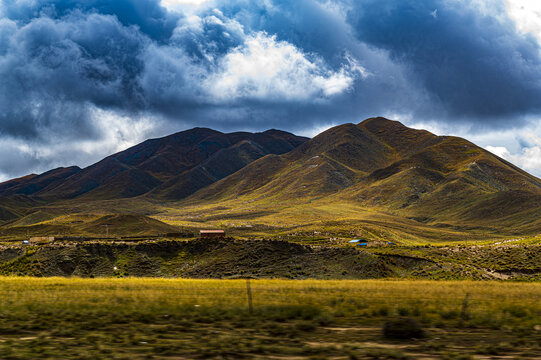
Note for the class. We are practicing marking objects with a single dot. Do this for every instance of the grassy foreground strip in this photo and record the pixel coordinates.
(179, 318)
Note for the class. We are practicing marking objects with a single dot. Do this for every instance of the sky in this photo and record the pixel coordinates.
(81, 79)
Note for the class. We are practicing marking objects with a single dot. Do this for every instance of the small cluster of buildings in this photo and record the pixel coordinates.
(370, 243)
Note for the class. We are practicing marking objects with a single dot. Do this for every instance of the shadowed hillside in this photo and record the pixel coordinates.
(175, 165)
(15, 206)
(32, 184)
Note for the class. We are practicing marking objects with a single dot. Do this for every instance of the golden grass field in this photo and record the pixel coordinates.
(136, 318)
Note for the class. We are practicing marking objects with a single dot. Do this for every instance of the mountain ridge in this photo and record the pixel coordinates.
(412, 172)
(152, 163)
(377, 172)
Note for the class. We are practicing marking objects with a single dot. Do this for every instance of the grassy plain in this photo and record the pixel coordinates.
(175, 319)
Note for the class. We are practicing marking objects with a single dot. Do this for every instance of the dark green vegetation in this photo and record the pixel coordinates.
(377, 179)
(230, 258)
(202, 319)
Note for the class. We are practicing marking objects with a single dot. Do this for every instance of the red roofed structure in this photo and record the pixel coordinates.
(211, 234)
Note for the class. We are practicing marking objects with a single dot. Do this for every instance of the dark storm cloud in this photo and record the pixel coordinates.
(471, 64)
(476, 65)
(52, 70)
(253, 65)
(148, 15)
(322, 28)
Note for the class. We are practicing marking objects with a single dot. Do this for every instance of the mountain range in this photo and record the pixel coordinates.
(379, 165)
(173, 166)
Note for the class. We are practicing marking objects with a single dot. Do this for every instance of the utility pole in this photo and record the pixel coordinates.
(106, 230)
(464, 310)
(249, 293)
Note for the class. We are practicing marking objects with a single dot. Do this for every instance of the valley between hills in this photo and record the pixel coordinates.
(377, 180)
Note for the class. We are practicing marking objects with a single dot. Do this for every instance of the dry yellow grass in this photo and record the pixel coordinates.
(355, 296)
(139, 318)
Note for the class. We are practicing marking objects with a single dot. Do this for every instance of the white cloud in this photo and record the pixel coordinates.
(173, 3)
(183, 5)
(313, 131)
(22, 157)
(529, 158)
(264, 68)
(257, 67)
(117, 133)
(526, 15)
(501, 151)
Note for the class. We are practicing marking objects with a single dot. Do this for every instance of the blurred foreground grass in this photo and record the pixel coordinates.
(172, 318)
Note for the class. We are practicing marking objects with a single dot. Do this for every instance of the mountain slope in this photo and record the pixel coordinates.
(226, 161)
(332, 161)
(15, 206)
(32, 184)
(382, 164)
(178, 164)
